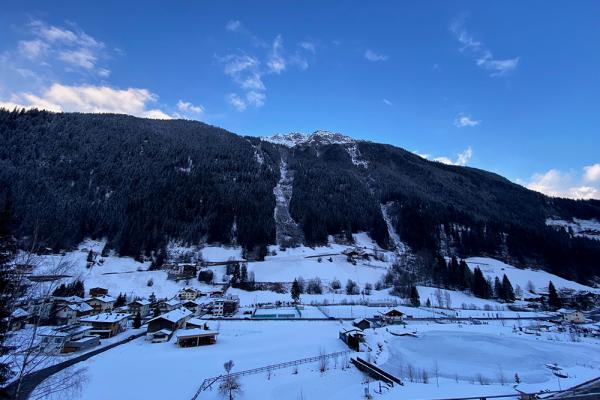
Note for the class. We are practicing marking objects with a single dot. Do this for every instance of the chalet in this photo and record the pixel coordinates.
(18, 319)
(101, 304)
(67, 339)
(182, 271)
(196, 323)
(69, 313)
(168, 305)
(196, 337)
(139, 306)
(106, 325)
(188, 293)
(392, 316)
(572, 317)
(98, 291)
(194, 306)
(362, 323)
(225, 306)
(352, 337)
(171, 321)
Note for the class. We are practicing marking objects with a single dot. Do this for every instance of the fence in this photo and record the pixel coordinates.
(208, 382)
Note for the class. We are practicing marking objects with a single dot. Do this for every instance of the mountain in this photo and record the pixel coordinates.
(141, 183)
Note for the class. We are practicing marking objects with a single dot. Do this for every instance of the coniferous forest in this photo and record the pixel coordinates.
(141, 183)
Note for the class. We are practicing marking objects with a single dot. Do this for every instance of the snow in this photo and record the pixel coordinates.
(317, 137)
(495, 268)
(174, 315)
(589, 228)
(105, 317)
(355, 156)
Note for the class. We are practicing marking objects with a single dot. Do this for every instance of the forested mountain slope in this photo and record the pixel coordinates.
(143, 182)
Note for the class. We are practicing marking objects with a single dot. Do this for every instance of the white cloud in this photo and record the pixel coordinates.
(83, 58)
(233, 25)
(478, 51)
(465, 121)
(387, 102)
(91, 99)
(236, 102)
(373, 56)
(32, 49)
(462, 158)
(592, 173)
(186, 106)
(276, 62)
(308, 46)
(557, 183)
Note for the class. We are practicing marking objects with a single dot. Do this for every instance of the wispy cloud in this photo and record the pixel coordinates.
(480, 53)
(248, 69)
(374, 56)
(557, 183)
(461, 159)
(186, 106)
(463, 121)
(387, 102)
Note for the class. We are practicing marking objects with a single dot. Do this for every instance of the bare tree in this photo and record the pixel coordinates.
(439, 297)
(448, 299)
(230, 385)
(323, 361)
(436, 373)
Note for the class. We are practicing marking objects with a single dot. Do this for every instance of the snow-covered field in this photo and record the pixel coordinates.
(589, 228)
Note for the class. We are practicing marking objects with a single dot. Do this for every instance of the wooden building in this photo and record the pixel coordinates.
(106, 325)
(196, 337)
(352, 337)
(98, 291)
(139, 306)
(171, 321)
(101, 304)
(362, 323)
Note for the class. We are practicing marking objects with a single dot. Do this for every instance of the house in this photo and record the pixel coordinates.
(181, 271)
(171, 321)
(101, 304)
(69, 313)
(188, 293)
(139, 306)
(572, 317)
(196, 323)
(67, 339)
(392, 316)
(196, 337)
(362, 323)
(18, 319)
(352, 337)
(165, 306)
(98, 291)
(225, 306)
(106, 324)
(193, 305)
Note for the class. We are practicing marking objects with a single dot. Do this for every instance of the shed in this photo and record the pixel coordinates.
(196, 337)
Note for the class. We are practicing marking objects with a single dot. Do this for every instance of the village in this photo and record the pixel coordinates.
(202, 310)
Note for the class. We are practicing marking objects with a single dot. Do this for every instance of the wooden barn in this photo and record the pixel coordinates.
(196, 337)
(171, 321)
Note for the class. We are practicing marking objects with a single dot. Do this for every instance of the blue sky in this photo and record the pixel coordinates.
(509, 86)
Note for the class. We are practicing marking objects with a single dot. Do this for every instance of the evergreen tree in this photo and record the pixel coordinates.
(90, 256)
(553, 299)
(137, 321)
(480, 285)
(121, 300)
(507, 289)
(498, 290)
(244, 273)
(415, 301)
(466, 276)
(295, 292)
(428, 303)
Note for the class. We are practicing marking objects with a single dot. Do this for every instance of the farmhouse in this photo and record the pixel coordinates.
(163, 335)
(392, 316)
(193, 305)
(139, 306)
(196, 337)
(167, 305)
(225, 306)
(67, 339)
(106, 325)
(101, 304)
(171, 321)
(196, 323)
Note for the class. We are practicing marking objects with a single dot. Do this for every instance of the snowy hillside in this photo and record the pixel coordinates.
(589, 228)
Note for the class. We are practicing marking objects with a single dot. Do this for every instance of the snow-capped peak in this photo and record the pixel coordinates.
(319, 137)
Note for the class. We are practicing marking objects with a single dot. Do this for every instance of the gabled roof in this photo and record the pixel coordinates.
(81, 307)
(196, 332)
(141, 302)
(196, 321)
(105, 317)
(174, 316)
(103, 299)
(19, 313)
(171, 302)
(69, 299)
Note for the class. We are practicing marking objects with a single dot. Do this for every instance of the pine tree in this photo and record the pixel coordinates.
(507, 289)
(90, 257)
(415, 301)
(553, 299)
(295, 292)
(498, 290)
(137, 321)
(479, 286)
(244, 273)
(428, 303)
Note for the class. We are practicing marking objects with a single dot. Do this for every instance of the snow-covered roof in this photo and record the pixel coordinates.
(357, 320)
(65, 331)
(105, 317)
(172, 302)
(196, 332)
(196, 321)
(162, 331)
(140, 302)
(81, 307)
(348, 329)
(104, 299)
(70, 299)
(175, 315)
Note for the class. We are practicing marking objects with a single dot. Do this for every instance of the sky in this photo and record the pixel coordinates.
(508, 86)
